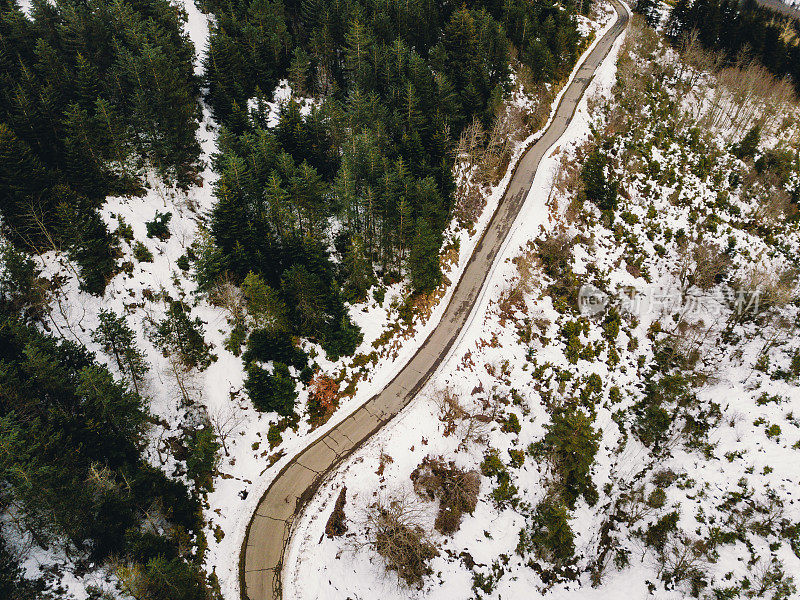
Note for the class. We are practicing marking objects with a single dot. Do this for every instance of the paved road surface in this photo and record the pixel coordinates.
(269, 530)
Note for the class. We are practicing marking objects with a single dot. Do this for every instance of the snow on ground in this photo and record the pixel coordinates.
(280, 98)
(735, 484)
(317, 567)
(372, 318)
(248, 464)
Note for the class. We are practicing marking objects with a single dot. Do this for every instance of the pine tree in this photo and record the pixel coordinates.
(358, 271)
(650, 10)
(86, 82)
(178, 334)
(118, 340)
(304, 293)
(84, 159)
(749, 144)
(271, 391)
(23, 180)
(678, 20)
(596, 186)
(299, 72)
(264, 304)
(357, 53)
(82, 233)
(423, 261)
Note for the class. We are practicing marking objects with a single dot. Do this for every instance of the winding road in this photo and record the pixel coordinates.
(270, 527)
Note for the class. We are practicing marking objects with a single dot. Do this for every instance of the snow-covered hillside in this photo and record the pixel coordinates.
(157, 272)
(648, 448)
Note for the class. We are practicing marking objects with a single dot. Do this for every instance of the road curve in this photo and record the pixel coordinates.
(270, 527)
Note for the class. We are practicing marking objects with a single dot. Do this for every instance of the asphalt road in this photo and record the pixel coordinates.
(268, 533)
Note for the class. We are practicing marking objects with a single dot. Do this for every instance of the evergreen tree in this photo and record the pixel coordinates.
(358, 272)
(397, 83)
(650, 10)
(749, 144)
(264, 304)
(423, 261)
(597, 187)
(300, 71)
(181, 335)
(271, 391)
(678, 20)
(118, 340)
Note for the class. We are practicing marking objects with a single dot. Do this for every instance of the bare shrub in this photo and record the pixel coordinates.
(683, 559)
(396, 534)
(763, 292)
(514, 296)
(450, 410)
(748, 94)
(469, 204)
(483, 156)
(456, 489)
(226, 294)
(225, 420)
(770, 580)
(458, 420)
(469, 198)
(710, 265)
(555, 252)
(775, 203)
(703, 265)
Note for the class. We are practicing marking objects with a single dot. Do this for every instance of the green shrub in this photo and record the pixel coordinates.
(23, 291)
(614, 395)
(143, 546)
(159, 226)
(571, 444)
(548, 533)
(517, 457)
(492, 465)
(141, 253)
(203, 456)
(658, 533)
(124, 230)
(611, 325)
(778, 162)
(511, 424)
(505, 493)
(652, 424)
(274, 436)
(592, 389)
(773, 431)
(653, 415)
(236, 338)
(795, 365)
(657, 498)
